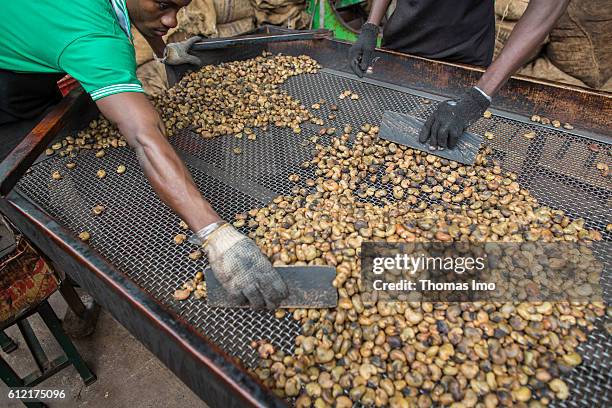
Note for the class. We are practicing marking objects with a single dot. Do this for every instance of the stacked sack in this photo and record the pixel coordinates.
(577, 50)
(151, 73)
(213, 19)
(580, 43)
(208, 18)
(285, 13)
(507, 14)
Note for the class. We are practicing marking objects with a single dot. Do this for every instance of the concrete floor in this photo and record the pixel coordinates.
(128, 374)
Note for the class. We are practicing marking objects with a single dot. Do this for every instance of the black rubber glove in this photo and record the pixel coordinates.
(446, 125)
(362, 52)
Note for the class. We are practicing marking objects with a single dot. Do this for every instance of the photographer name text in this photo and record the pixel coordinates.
(427, 285)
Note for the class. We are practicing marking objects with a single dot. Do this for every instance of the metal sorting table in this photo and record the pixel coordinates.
(132, 266)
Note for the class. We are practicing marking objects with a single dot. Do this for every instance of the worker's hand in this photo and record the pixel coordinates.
(446, 125)
(178, 53)
(362, 52)
(243, 271)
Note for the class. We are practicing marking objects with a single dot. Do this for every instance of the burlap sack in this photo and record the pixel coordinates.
(204, 17)
(503, 29)
(179, 35)
(144, 53)
(233, 10)
(607, 86)
(275, 4)
(510, 9)
(299, 22)
(542, 68)
(236, 27)
(198, 18)
(282, 13)
(580, 42)
(153, 77)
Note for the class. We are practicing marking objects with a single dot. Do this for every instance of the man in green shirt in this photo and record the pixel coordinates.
(42, 40)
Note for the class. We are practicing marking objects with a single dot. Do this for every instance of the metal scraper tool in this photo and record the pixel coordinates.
(404, 129)
(309, 287)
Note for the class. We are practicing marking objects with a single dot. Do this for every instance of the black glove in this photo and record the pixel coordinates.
(446, 125)
(362, 52)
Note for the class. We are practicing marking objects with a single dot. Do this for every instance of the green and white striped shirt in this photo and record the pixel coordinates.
(87, 39)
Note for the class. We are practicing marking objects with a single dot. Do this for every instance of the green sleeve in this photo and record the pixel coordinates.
(103, 64)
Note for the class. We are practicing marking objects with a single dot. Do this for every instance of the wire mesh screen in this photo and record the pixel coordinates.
(136, 230)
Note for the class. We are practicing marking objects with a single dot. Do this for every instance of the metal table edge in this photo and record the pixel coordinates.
(167, 335)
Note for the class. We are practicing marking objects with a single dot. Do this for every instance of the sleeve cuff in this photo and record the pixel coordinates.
(115, 89)
(483, 93)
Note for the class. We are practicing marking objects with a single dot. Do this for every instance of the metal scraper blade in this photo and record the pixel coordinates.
(404, 129)
(309, 287)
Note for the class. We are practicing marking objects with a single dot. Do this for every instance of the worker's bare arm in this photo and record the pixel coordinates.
(379, 8)
(528, 34)
(141, 126)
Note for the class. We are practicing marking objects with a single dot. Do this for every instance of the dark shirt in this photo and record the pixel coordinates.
(26, 96)
(450, 30)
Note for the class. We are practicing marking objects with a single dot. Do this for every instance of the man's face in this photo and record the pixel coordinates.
(153, 18)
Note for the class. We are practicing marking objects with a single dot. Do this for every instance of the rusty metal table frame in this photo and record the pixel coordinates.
(205, 368)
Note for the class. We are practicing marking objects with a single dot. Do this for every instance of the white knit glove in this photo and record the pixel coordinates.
(178, 53)
(243, 271)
